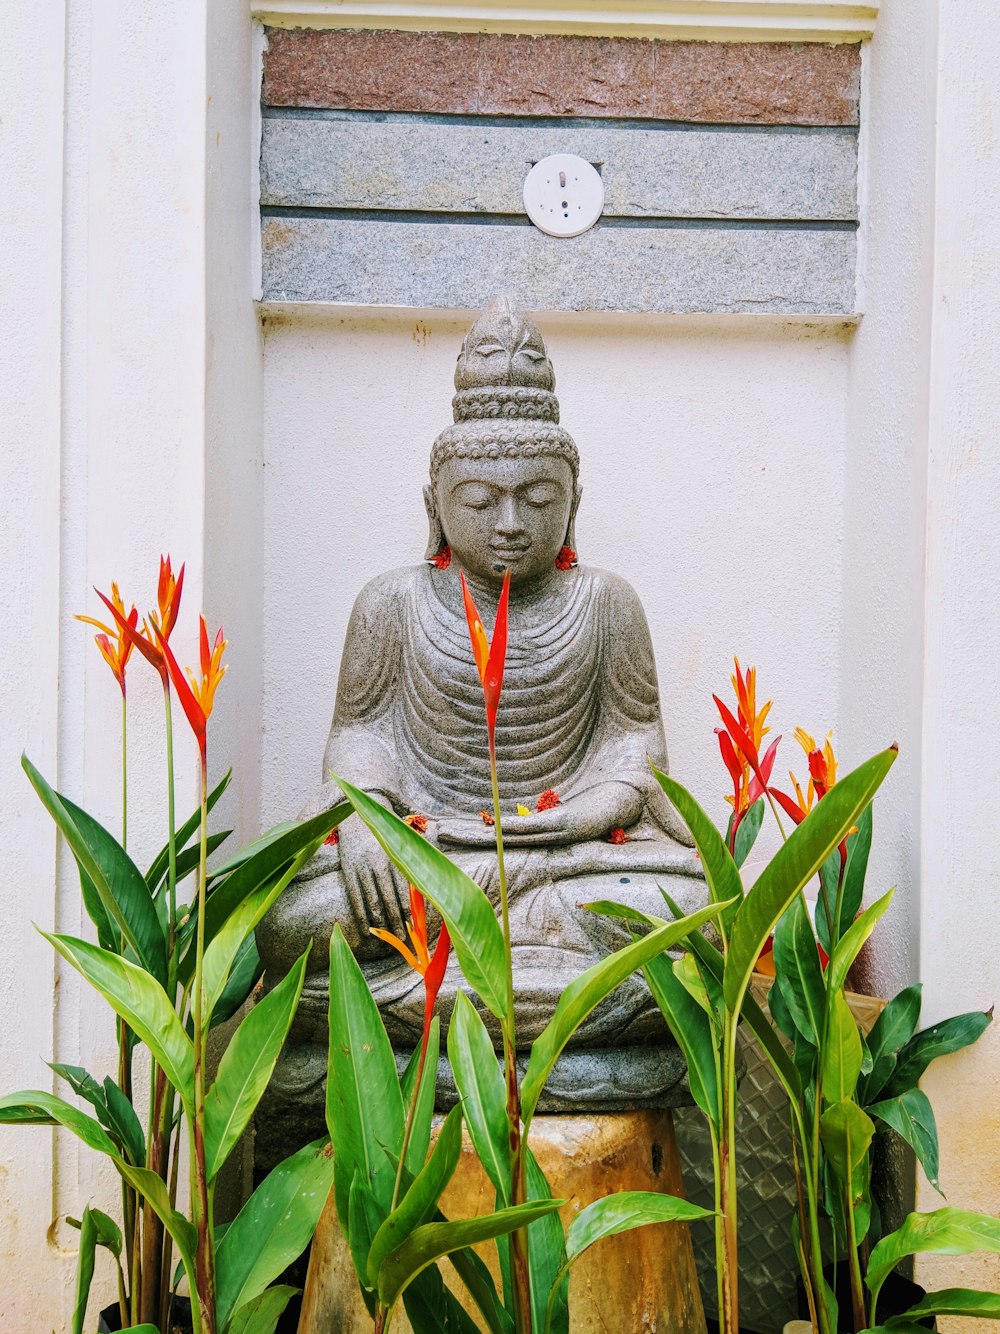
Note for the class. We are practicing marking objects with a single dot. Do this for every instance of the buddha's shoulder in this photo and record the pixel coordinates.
(613, 588)
(388, 590)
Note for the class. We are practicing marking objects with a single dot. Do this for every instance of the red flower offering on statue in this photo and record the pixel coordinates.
(443, 559)
(332, 838)
(548, 800)
(417, 822)
(618, 835)
(566, 558)
(487, 818)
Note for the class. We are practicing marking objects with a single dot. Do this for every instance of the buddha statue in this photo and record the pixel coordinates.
(579, 720)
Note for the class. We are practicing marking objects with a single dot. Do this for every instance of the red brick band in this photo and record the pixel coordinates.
(499, 74)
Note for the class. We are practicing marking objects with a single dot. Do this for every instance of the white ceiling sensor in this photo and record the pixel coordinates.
(563, 195)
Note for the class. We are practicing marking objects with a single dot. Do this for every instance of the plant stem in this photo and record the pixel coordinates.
(408, 1128)
(518, 1192)
(200, 1200)
(857, 1287)
(171, 854)
(124, 774)
(729, 1311)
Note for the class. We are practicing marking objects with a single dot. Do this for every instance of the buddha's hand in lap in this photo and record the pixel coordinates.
(376, 892)
(589, 815)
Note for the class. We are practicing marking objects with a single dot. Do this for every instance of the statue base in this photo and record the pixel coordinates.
(643, 1280)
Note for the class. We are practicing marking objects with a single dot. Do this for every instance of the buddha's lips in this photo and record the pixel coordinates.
(511, 552)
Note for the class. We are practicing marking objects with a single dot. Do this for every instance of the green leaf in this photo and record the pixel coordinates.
(623, 1211)
(423, 1112)
(482, 1290)
(481, 1087)
(261, 1316)
(251, 872)
(430, 1242)
(161, 862)
(152, 1189)
(140, 1000)
(892, 1029)
(796, 961)
(952, 1301)
(190, 859)
(221, 953)
(244, 974)
(847, 1134)
(273, 1228)
(364, 1107)
(746, 835)
(123, 892)
(793, 865)
(911, 1116)
(546, 1253)
(34, 1107)
(587, 991)
(472, 924)
(107, 1232)
(84, 1271)
(941, 1039)
(946, 1231)
(363, 1221)
(123, 1123)
(841, 1054)
(420, 1201)
(721, 873)
(247, 1065)
(432, 1309)
(692, 1031)
(858, 848)
(852, 941)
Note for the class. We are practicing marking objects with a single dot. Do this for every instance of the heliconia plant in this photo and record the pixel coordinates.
(535, 1254)
(840, 1086)
(170, 972)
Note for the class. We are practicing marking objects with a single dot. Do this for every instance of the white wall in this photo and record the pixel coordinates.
(712, 464)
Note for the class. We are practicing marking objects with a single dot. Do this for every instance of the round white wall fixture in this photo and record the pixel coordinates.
(563, 195)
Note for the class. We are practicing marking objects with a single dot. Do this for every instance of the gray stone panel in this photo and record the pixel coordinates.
(480, 168)
(682, 269)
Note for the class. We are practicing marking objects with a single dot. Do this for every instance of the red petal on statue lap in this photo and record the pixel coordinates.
(618, 836)
(548, 800)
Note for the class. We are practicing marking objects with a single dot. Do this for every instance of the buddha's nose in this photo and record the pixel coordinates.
(508, 522)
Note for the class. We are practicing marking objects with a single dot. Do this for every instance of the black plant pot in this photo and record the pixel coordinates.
(897, 1296)
(110, 1318)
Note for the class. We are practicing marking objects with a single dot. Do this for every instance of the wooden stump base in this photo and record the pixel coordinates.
(640, 1282)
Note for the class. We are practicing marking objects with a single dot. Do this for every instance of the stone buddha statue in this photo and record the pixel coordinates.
(579, 719)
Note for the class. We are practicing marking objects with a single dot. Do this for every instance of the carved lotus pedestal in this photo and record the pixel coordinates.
(643, 1280)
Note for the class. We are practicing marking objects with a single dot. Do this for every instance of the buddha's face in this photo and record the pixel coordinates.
(500, 513)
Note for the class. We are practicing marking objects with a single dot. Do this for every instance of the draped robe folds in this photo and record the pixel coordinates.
(580, 707)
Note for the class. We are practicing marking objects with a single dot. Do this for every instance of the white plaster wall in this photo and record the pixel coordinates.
(712, 463)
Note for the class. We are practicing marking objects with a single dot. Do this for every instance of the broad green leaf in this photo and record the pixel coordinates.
(420, 1201)
(841, 1054)
(273, 1228)
(265, 840)
(587, 991)
(364, 1107)
(363, 1220)
(190, 859)
(84, 1271)
(692, 1031)
(34, 1107)
(423, 1112)
(952, 1301)
(161, 862)
(432, 1241)
(546, 1253)
(796, 961)
(152, 1189)
(847, 1135)
(911, 1116)
(858, 848)
(751, 1013)
(250, 873)
(221, 953)
(623, 1211)
(852, 941)
(688, 973)
(946, 1231)
(941, 1039)
(123, 1122)
(432, 1309)
(140, 1000)
(721, 873)
(472, 924)
(244, 974)
(261, 1316)
(746, 835)
(106, 1231)
(123, 892)
(482, 1290)
(247, 1065)
(892, 1029)
(481, 1087)
(794, 865)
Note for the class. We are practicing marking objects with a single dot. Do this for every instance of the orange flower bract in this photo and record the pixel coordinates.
(115, 641)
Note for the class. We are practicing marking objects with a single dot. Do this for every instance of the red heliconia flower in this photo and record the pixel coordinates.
(488, 818)
(115, 641)
(566, 558)
(168, 597)
(739, 744)
(822, 776)
(489, 656)
(198, 697)
(618, 835)
(333, 837)
(417, 822)
(443, 559)
(548, 800)
(431, 967)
